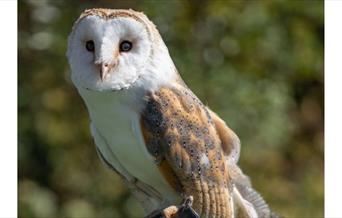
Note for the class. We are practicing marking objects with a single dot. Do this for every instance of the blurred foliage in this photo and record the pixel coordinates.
(258, 64)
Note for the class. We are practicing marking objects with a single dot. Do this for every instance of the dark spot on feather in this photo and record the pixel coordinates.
(223, 167)
(218, 155)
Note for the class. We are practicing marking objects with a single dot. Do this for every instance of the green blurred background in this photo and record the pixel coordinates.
(258, 64)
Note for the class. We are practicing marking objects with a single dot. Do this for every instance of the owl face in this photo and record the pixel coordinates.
(108, 54)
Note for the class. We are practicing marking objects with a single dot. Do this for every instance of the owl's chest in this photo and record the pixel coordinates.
(119, 126)
(121, 132)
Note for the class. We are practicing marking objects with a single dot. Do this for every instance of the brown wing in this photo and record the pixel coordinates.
(231, 147)
(230, 141)
(180, 133)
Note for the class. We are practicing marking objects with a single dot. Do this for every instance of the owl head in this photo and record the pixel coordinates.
(112, 50)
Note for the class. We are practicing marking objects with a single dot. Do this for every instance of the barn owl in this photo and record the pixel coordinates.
(176, 155)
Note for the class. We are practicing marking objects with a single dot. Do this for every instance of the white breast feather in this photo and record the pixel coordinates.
(117, 134)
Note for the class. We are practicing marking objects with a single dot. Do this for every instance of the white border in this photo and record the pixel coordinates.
(333, 108)
(8, 96)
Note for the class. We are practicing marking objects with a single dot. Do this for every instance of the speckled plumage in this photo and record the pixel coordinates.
(179, 130)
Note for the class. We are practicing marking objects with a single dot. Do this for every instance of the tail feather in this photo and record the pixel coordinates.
(245, 189)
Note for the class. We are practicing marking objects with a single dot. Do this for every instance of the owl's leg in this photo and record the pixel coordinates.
(184, 210)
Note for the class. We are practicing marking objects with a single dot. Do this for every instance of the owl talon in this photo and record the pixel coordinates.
(185, 210)
(187, 202)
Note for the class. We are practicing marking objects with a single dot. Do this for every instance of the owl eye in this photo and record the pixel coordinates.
(125, 46)
(90, 46)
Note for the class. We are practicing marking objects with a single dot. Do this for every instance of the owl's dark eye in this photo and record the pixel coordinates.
(90, 46)
(125, 46)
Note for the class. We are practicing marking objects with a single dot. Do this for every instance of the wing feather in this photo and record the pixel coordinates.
(248, 201)
(230, 141)
(194, 145)
(179, 129)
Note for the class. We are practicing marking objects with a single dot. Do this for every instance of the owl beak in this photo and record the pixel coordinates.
(105, 69)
